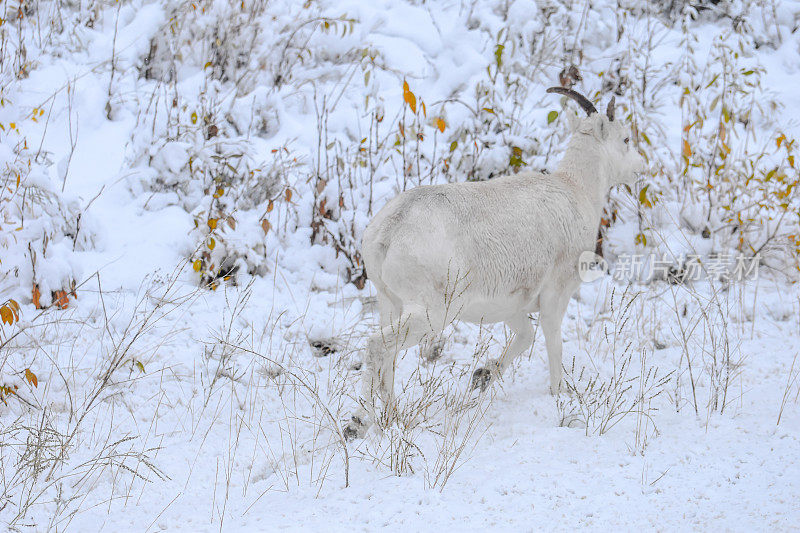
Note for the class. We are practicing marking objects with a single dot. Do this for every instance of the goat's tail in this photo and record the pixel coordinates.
(373, 265)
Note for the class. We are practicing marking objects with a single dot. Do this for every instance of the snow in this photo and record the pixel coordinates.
(161, 405)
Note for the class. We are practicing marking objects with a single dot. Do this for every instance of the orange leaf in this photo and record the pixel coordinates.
(687, 150)
(265, 225)
(6, 315)
(270, 206)
(60, 299)
(212, 223)
(440, 124)
(288, 194)
(31, 377)
(36, 296)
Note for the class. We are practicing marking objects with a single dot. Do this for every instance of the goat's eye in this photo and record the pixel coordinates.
(627, 139)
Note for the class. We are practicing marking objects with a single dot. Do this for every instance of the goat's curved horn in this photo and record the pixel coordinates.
(610, 108)
(578, 97)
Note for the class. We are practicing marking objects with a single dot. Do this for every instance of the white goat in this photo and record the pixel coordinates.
(489, 251)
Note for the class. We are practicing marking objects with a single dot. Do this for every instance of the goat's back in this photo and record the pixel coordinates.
(496, 238)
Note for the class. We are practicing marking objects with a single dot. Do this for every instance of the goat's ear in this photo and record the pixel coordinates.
(573, 121)
(600, 126)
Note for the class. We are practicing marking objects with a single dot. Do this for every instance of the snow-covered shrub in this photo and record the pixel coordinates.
(41, 228)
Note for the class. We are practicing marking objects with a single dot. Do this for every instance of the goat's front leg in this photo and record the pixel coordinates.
(551, 316)
(523, 339)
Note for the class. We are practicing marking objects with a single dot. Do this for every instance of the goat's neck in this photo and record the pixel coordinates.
(589, 181)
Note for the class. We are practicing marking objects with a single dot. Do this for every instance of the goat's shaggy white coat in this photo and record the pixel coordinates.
(486, 252)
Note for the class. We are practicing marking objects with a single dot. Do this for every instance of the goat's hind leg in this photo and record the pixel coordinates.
(523, 339)
(379, 364)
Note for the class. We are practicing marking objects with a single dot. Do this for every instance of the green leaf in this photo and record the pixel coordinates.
(551, 116)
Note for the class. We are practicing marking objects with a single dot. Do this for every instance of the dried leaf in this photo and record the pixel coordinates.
(440, 124)
(212, 223)
(265, 225)
(687, 150)
(31, 377)
(270, 206)
(36, 296)
(60, 299)
(197, 265)
(288, 194)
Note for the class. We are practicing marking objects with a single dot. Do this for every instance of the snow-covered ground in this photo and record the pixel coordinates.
(163, 145)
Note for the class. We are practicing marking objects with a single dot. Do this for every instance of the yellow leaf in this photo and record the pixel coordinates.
(687, 150)
(194, 118)
(197, 265)
(424, 110)
(31, 377)
(409, 97)
(139, 365)
(211, 244)
(212, 223)
(440, 124)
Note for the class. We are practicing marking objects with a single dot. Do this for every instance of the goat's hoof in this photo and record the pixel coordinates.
(434, 351)
(323, 348)
(355, 429)
(481, 379)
